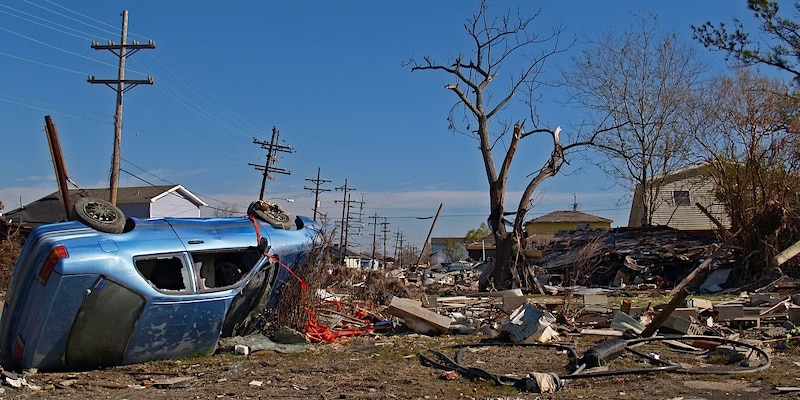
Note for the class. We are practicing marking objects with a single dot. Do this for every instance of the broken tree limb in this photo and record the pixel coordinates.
(712, 219)
(676, 301)
(786, 254)
(704, 265)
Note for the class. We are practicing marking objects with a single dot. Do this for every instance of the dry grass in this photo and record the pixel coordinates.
(11, 241)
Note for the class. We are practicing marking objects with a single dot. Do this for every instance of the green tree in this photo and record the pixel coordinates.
(474, 235)
(779, 46)
(453, 249)
(750, 143)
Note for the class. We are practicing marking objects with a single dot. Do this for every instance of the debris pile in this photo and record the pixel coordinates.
(654, 256)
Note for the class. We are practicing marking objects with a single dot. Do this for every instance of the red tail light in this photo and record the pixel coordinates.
(56, 254)
(18, 350)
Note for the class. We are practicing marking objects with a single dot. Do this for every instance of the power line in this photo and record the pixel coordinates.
(173, 183)
(178, 96)
(54, 47)
(35, 20)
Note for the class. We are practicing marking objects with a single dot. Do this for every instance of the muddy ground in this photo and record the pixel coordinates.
(388, 366)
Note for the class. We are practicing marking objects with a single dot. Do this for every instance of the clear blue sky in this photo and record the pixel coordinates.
(328, 75)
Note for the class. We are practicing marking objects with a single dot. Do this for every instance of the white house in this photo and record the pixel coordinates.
(140, 202)
(677, 200)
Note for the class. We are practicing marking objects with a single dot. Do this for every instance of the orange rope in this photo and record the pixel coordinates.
(314, 331)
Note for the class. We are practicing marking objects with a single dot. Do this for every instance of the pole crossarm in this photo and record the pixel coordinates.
(317, 189)
(127, 83)
(272, 147)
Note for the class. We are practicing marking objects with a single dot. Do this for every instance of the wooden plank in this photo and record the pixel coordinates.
(410, 309)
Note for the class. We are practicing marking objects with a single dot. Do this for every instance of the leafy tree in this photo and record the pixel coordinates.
(474, 235)
(638, 83)
(453, 249)
(751, 144)
(501, 42)
(780, 49)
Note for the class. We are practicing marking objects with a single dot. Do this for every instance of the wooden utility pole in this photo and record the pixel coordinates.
(345, 216)
(317, 190)
(272, 148)
(430, 232)
(385, 231)
(120, 85)
(398, 245)
(58, 163)
(374, 236)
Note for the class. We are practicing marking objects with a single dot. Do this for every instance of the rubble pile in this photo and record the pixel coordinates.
(657, 256)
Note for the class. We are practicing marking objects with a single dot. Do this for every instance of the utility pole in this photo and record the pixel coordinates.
(317, 189)
(58, 163)
(385, 231)
(122, 50)
(272, 148)
(398, 246)
(374, 235)
(343, 228)
(356, 216)
(430, 232)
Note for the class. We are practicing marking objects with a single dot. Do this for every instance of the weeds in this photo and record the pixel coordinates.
(11, 241)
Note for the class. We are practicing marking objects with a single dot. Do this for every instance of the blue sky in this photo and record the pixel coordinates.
(328, 75)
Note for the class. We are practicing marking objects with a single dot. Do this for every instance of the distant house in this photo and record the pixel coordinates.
(676, 203)
(140, 202)
(349, 259)
(483, 249)
(439, 253)
(565, 221)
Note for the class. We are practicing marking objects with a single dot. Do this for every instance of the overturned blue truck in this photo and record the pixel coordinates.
(104, 290)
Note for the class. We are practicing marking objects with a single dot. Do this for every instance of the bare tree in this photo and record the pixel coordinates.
(499, 42)
(225, 210)
(751, 144)
(638, 85)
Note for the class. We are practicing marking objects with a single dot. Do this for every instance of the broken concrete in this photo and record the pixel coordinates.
(418, 319)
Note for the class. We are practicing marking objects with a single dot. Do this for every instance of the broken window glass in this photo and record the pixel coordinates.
(165, 272)
(218, 269)
(681, 197)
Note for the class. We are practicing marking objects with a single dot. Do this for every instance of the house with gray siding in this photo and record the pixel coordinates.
(140, 202)
(677, 200)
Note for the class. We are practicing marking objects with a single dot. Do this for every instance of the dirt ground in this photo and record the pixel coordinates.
(388, 366)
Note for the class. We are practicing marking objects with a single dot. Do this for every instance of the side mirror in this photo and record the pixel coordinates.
(263, 245)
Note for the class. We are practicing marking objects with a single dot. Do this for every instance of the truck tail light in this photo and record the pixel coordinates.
(55, 255)
(18, 350)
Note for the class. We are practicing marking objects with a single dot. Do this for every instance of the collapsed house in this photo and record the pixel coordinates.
(658, 256)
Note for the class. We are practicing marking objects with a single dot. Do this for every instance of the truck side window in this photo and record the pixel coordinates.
(221, 268)
(164, 272)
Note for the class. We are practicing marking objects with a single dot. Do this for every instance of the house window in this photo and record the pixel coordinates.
(680, 197)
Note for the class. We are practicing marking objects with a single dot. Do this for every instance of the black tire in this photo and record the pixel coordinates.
(99, 214)
(271, 214)
(278, 219)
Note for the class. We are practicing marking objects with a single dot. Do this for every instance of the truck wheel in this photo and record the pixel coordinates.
(270, 213)
(99, 214)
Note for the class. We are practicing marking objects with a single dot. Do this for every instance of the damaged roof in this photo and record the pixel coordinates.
(654, 251)
(567, 216)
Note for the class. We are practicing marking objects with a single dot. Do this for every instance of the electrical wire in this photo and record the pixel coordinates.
(177, 95)
(578, 365)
